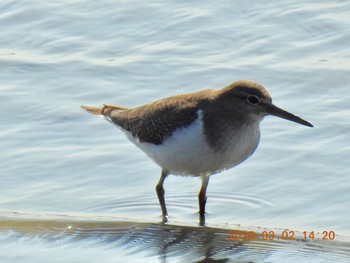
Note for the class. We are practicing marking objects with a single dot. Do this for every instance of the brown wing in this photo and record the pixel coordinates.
(156, 121)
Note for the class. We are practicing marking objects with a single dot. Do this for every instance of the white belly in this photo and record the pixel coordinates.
(186, 152)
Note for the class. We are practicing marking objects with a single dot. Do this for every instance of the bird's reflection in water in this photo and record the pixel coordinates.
(161, 242)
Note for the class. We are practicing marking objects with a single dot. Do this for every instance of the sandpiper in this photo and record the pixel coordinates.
(197, 134)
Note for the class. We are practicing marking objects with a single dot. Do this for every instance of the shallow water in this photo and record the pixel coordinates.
(115, 239)
(57, 161)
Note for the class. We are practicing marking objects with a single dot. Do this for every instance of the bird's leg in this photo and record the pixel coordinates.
(160, 193)
(202, 199)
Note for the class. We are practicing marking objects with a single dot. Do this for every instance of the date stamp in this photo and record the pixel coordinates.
(237, 235)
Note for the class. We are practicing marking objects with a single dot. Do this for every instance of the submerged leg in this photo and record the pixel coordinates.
(202, 199)
(160, 193)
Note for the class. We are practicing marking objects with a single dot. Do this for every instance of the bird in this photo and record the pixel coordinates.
(197, 134)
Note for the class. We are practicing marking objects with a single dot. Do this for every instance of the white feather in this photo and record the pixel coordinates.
(186, 151)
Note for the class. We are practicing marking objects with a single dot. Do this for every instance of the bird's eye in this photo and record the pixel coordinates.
(252, 99)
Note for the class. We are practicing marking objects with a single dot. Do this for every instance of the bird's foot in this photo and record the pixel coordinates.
(164, 219)
(201, 219)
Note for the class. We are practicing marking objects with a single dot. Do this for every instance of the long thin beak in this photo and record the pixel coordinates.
(278, 112)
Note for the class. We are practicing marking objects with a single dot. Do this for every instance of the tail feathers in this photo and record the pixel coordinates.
(105, 110)
(92, 110)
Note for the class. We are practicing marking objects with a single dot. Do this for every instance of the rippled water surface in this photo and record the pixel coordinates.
(74, 189)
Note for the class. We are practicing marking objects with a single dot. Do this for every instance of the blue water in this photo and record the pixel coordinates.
(57, 160)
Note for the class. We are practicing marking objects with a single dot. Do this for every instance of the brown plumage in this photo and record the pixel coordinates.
(156, 121)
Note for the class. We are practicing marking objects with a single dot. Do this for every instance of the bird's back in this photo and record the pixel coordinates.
(156, 121)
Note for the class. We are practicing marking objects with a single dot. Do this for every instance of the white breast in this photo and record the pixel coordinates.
(186, 151)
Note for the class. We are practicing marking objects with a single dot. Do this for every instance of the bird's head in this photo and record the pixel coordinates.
(253, 100)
